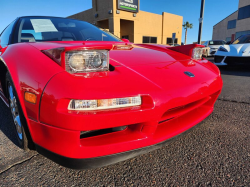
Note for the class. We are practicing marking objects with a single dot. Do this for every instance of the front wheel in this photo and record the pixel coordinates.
(17, 114)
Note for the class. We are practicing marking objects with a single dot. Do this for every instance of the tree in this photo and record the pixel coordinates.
(187, 26)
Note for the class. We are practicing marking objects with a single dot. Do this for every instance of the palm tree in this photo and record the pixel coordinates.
(187, 26)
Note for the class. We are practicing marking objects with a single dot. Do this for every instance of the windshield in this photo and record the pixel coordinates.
(242, 39)
(38, 29)
(216, 42)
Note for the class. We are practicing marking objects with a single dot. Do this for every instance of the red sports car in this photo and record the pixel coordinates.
(84, 98)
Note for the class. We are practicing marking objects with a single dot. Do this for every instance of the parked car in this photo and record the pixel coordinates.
(84, 98)
(212, 46)
(236, 53)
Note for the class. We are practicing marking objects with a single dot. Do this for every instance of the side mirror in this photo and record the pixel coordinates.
(125, 40)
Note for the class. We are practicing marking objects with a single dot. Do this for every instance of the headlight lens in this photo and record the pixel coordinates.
(222, 49)
(87, 61)
(197, 53)
(77, 62)
(104, 103)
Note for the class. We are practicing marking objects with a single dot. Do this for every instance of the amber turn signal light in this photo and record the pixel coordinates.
(30, 97)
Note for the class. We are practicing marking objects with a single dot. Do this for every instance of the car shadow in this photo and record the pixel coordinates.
(6, 124)
(236, 70)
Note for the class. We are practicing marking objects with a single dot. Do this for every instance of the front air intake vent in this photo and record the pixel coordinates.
(181, 110)
(88, 134)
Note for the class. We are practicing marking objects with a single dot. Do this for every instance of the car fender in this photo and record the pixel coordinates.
(30, 71)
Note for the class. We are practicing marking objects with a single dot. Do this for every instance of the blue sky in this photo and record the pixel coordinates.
(215, 11)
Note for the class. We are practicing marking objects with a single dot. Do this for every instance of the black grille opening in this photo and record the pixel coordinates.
(88, 134)
(237, 60)
(218, 58)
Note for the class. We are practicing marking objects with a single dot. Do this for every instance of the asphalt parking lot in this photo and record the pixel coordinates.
(215, 153)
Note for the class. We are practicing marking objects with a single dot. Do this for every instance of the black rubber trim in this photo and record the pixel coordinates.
(97, 162)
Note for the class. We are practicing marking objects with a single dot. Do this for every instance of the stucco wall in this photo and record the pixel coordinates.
(172, 24)
(220, 31)
(243, 3)
(243, 25)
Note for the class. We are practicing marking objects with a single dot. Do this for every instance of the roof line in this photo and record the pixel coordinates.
(225, 18)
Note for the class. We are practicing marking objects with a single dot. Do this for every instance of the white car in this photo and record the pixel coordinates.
(212, 46)
(236, 53)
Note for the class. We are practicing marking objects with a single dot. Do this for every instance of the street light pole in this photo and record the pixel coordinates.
(201, 20)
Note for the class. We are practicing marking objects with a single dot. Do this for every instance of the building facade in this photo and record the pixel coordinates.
(235, 25)
(124, 19)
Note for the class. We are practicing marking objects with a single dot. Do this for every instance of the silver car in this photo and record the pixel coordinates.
(212, 46)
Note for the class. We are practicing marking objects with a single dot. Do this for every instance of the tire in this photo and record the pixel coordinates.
(19, 121)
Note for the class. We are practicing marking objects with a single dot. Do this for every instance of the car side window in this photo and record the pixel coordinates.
(5, 36)
(211, 43)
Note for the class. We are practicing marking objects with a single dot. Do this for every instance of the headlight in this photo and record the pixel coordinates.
(86, 61)
(77, 62)
(104, 103)
(222, 49)
(197, 53)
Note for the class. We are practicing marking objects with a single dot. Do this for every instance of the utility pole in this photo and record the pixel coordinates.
(201, 20)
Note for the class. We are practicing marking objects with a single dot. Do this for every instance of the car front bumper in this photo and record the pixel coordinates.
(97, 162)
(231, 60)
(67, 148)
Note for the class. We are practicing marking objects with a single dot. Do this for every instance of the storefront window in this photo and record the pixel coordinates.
(149, 39)
(170, 41)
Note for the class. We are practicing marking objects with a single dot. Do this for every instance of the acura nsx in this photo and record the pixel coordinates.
(84, 98)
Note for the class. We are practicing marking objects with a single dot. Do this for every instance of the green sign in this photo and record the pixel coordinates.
(128, 5)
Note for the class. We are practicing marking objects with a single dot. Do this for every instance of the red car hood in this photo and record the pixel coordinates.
(166, 68)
